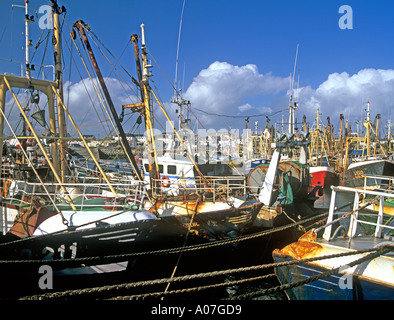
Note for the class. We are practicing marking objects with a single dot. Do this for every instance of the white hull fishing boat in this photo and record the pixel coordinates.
(43, 220)
(79, 226)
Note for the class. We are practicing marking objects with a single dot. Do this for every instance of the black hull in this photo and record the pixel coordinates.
(222, 224)
(74, 252)
(73, 255)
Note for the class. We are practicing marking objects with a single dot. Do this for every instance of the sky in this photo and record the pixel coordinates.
(235, 58)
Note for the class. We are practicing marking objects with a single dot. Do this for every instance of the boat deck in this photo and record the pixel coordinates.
(361, 243)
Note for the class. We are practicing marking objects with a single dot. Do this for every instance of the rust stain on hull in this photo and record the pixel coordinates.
(305, 247)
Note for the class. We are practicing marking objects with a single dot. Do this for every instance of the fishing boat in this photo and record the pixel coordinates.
(350, 258)
(198, 205)
(370, 162)
(49, 215)
(356, 171)
(381, 183)
(321, 165)
(324, 176)
(283, 186)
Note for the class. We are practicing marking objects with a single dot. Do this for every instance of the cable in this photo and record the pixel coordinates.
(241, 117)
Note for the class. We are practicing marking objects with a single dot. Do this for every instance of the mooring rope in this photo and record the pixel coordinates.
(77, 262)
(105, 290)
(379, 251)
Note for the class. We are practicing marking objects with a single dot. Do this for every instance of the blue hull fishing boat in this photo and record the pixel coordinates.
(352, 260)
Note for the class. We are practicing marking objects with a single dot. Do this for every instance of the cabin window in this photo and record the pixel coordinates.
(171, 169)
(147, 168)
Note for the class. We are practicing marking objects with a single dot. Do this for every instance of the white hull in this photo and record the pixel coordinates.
(7, 218)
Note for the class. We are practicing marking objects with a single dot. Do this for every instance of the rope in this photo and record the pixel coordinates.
(184, 244)
(379, 251)
(123, 257)
(64, 220)
(107, 289)
(194, 289)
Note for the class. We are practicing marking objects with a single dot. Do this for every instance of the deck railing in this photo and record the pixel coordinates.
(380, 182)
(362, 200)
(128, 192)
(218, 187)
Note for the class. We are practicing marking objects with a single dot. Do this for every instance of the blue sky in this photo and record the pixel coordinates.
(236, 56)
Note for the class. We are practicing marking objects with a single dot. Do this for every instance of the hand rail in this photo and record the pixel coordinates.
(129, 193)
(218, 185)
(354, 221)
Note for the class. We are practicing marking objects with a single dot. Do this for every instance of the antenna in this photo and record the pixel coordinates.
(177, 99)
(177, 50)
(294, 70)
(291, 107)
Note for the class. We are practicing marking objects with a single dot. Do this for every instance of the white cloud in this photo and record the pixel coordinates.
(86, 108)
(245, 107)
(231, 90)
(83, 104)
(222, 88)
(348, 94)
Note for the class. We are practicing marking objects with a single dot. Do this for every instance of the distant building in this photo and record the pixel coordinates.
(89, 137)
(133, 139)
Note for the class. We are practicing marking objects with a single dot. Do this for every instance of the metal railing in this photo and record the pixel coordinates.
(355, 214)
(218, 187)
(128, 192)
(380, 182)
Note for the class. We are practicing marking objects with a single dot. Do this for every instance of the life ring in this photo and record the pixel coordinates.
(165, 182)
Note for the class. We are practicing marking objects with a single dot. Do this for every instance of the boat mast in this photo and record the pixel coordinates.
(368, 133)
(153, 165)
(389, 135)
(28, 68)
(80, 25)
(291, 106)
(177, 99)
(28, 19)
(59, 77)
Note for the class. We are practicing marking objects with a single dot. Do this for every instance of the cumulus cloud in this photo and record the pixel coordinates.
(86, 107)
(348, 94)
(83, 104)
(232, 90)
(222, 88)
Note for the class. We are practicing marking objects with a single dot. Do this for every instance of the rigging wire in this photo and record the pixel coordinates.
(6, 25)
(97, 85)
(82, 80)
(241, 117)
(118, 62)
(114, 69)
(106, 110)
(172, 85)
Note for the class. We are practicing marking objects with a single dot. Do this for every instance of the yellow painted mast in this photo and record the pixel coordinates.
(154, 172)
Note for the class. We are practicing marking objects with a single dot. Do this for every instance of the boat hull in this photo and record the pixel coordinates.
(322, 175)
(353, 176)
(212, 220)
(369, 280)
(98, 251)
(329, 287)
